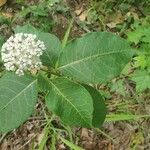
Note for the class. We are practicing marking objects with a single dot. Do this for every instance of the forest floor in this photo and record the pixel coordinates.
(125, 131)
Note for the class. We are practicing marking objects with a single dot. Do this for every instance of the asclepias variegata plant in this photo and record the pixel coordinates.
(35, 61)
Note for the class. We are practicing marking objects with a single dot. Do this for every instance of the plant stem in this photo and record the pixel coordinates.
(3, 136)
(65, 40)
(51, 71)
(70, 133)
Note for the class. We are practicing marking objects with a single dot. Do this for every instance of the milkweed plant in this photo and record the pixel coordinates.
(34, 61)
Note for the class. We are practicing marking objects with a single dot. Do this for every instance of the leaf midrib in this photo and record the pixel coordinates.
(67, 100)
(17, 95)
(89, 57)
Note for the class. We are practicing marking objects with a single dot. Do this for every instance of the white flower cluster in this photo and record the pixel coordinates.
(22, 52)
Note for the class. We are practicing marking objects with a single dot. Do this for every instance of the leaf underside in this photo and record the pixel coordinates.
(18, 96)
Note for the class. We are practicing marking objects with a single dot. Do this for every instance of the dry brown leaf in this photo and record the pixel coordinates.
(83, 16)
(61, 147)
(84, 133)
(2, 2)
(111, 25)
(7, 15)
(81, 13)
(78, 11)
(115, 19)
(88, 145)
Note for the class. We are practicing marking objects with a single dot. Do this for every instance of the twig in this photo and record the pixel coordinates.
(2, 138)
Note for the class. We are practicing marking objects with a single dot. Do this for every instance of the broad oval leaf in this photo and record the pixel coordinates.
(68, 100)
(95, 58)
(18, 96)
(52, 43)
(99, 113)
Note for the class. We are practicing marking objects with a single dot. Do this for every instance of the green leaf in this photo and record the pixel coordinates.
(142, 80)
(105, 94)
(68, 100)
(135, 36)
(65, 39)
(95, 58)
(118, 87)
(141, 33)
(71, 145)
(23, 13)
(99, 113)
(52, 2)
(44, 138)
(122, 117)
(39, 10)
(1, 43)
(140, 61)
(18, 96)
(52, 43)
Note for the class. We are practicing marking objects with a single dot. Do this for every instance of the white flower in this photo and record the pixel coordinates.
(22, 52)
